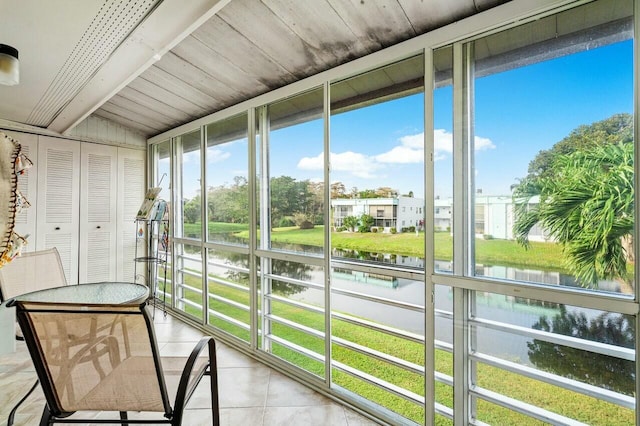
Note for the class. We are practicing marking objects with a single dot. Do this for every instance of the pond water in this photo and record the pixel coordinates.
(505, 309)
(527, 313)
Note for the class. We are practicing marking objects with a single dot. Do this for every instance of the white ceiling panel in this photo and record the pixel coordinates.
(151, 65)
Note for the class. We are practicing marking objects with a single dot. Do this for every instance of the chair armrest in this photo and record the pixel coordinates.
(186, 387)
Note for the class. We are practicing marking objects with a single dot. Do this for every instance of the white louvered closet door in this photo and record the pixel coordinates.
(58, 199)
(131, 189)
(28, 186)
(98, 189)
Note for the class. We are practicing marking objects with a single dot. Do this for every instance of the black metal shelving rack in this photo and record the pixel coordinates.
(155, 234)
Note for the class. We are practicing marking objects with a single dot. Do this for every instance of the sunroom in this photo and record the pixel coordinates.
(508, 127)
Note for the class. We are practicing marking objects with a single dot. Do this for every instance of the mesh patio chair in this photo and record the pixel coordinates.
(29, 272)
(118, 369)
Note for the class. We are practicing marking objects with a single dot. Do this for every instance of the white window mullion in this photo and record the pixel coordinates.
(429, 250)
(328, 358)
(204, 224)
(461, 237)
(636, 231)
(265, 227)
(253, 218)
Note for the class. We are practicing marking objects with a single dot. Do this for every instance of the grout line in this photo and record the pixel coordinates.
(266, 397)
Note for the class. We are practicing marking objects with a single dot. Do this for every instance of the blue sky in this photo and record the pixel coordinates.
(517, 114)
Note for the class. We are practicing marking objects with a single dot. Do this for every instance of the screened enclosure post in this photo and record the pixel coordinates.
(253, 284)
(469, 193)
(204, 233)
(460, 296)
(328, 333)
(265, 226)
(429, 262)
(636, 163)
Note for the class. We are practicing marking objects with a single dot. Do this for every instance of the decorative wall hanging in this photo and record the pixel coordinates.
(12, 163)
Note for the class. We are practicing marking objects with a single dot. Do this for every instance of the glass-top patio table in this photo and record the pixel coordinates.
(104, 293)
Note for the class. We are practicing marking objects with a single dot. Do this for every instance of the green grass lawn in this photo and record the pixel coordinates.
(542, 256)
(562, 401)
(499, 252)
(215, 228)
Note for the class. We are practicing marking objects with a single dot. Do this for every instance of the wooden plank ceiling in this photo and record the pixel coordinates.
(254, 46)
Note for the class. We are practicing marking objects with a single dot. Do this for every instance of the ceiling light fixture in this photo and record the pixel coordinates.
(9, 65)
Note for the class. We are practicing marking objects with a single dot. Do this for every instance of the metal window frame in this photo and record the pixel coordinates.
(462, 281)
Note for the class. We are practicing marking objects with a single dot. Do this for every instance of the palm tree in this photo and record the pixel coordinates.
(586, 204)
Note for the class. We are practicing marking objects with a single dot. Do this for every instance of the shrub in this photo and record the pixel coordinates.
(306, 225)
(286, 221)
(350, 222)
(412, 229)
(374, 229)
(393, 230)
(366, 221)
(341, 228)
(303, 221)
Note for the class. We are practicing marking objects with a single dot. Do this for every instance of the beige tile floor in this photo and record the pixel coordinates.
(250, 392)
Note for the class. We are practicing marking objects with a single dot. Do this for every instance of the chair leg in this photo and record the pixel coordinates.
(213, 379)
(123, 417)
(12, 414)
(46, 416)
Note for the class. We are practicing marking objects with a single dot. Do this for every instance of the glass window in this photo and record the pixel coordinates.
(443, 343)
(187, 283)
(228, 279)
(228, 181)
(293, 313)
(295, 173)
(443, 159)
(553, 148)
(189, 218)
(377, 170)
(546, 346)
(162, 169)
(377, 159)
(361, 318)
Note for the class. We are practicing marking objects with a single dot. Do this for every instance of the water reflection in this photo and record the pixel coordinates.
(601, 370)
(294, 270)
(615, 329)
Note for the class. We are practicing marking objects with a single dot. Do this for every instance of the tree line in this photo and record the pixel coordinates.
(293, 202)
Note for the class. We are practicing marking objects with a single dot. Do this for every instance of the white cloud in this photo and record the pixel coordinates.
(215, 155)
(482, 144)
(413, 141)
(443, 143)
(189, 157)
(311, 163)
(410, 150)
(357, 164)
(402, 155)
